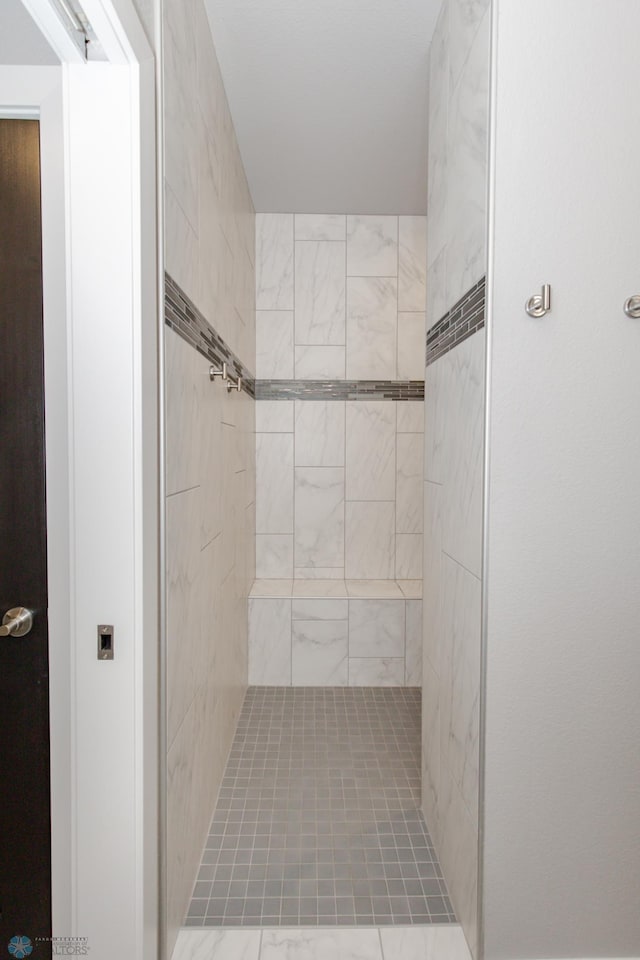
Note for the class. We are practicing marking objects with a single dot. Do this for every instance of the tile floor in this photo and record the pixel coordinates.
(318, 819)
(370, 943)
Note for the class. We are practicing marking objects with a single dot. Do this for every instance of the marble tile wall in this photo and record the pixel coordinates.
(210, 442)
(335, 633)
(454, 447)
(340, 298)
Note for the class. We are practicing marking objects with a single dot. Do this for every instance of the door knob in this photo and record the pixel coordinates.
(16, 622)
(632, 308)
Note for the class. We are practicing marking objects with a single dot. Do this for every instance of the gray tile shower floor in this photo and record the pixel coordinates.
(318, 819)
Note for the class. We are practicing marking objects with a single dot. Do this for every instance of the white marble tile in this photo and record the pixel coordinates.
(323, 944)
(372, 246)
(411, 346)
(183, 850)
(408, 556)
(467, 153)
(274, 261)
(272, 588)
(438, 186)
(409, 483)
(181, 115)
(376, 672)
(180, 246)
(304, 574)
(370, 450)
(274, 486)
(465, 19)
(372, 321)
(319, 433)
(437, 289)
(439, 394)
(320, 363)
(412, 263)
(274, 556)
(320, 293)
(463, 452)
(303, 609)
(270, 642)
(319, 517)
(369, 541)
(217, 945)
(376, 628)
(274, 416)
(459, 858)
(319, 653)
(183, 406)
(375, 589)
(431, 768)
(320, 588)
(274, 344)
(432, 599)
(211, 469)
(413, 647)
(320, 226)
(411, 589)
(183, 604)
(432, 942)
(461, 633)
(410, 414)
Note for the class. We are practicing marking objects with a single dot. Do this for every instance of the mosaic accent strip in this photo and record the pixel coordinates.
(339, 389)
(181, 315)
(463, 320)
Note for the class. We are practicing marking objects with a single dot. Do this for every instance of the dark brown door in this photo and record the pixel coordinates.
(25, 811)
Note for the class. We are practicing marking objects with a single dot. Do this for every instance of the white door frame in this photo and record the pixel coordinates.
(100, 277)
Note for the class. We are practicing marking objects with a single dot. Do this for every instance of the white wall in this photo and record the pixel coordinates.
(562, 797)
(454, 444)
(210, 445)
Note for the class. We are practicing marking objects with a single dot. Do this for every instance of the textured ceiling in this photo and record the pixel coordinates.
(329, 100)
(20, 39)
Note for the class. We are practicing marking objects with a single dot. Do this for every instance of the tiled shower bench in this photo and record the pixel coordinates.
(327, 633)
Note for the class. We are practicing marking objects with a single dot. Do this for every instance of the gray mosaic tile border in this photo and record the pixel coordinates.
(464, 319)
(339, 389)
(181, 315)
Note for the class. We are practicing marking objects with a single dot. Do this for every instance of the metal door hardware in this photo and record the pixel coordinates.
(539, 305)
(16, 622)
(632, 307)
(105, 641)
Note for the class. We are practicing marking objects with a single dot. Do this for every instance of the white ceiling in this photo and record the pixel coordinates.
(329, 100)
(21, 41)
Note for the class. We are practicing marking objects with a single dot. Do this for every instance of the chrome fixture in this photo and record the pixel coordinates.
(16, 622)
(223, 373)
(540, 304)
(632, 307)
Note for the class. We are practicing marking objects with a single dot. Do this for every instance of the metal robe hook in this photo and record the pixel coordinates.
(540, 304)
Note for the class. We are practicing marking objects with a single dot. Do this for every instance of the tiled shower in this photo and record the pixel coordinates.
(323, 524)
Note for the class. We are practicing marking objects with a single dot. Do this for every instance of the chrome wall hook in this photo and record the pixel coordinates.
(539, 305)
(222, 373)
(632, 307)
